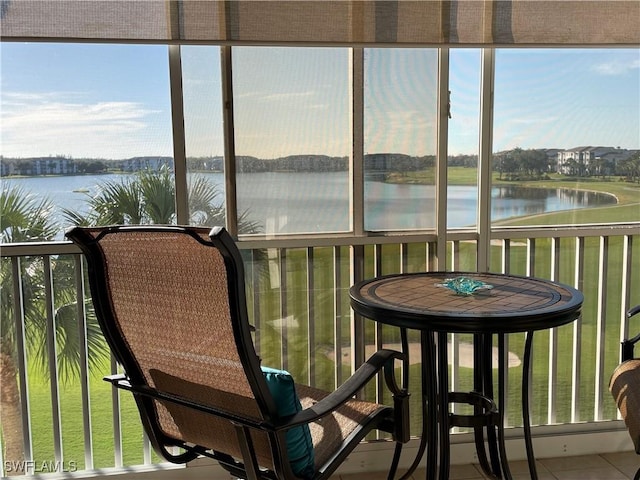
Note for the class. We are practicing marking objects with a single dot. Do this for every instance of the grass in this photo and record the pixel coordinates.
(71, 414)
(627, 194)
(289, 350)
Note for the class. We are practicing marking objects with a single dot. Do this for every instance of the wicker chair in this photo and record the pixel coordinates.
(625, 388)
(171, 303)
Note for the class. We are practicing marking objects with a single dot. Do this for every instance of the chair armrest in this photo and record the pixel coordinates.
(628, 344)
(381, 359)
(119, 380)
(123, 382)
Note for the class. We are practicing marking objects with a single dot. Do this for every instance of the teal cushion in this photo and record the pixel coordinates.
(299, 444)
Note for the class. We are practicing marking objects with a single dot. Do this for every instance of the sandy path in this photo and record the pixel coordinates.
(465, 353)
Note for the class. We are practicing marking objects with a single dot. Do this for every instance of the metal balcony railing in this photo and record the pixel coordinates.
(298, 300)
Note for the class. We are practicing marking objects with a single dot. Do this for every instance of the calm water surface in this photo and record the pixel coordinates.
(315, 202)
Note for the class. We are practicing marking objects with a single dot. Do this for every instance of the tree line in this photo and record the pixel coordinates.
(515, 164)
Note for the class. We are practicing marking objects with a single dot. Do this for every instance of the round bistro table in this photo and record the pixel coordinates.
(513, 304)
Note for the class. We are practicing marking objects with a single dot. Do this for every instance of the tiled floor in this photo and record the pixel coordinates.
(612, 466)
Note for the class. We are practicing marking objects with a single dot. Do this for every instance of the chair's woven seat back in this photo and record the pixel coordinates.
(625, 388)
(169, 297)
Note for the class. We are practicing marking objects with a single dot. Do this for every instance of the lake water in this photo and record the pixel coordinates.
(316, 202)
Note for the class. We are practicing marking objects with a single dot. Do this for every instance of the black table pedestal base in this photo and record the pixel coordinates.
(514, 304)
(488, 417)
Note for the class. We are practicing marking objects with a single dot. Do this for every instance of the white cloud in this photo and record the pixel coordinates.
(273, 97)
(616, 67)
(534, 120)
(43, 124)
(287, 95)
(407, 119)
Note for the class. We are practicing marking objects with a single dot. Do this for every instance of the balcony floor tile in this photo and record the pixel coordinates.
(610, 466)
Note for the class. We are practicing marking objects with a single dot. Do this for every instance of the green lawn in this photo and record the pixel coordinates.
(72, 422)
(292, 351)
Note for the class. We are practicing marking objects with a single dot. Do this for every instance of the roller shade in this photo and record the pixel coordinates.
(340, 22)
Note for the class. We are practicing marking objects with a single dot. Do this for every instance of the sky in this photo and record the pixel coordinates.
(113, 101)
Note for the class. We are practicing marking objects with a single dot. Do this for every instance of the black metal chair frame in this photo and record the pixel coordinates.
(629, 344)
(627, 353)
(394, 420)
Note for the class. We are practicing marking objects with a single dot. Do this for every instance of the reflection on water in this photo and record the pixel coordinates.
(506, 202)
(515, 201)
(319, 202)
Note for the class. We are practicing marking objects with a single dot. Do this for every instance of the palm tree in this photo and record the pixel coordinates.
(631, 166)
(149, 198)
(23, 218)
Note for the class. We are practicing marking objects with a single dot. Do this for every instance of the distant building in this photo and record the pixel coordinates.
(53, 166)
(136, 164)
(6, 168)
(588, 161)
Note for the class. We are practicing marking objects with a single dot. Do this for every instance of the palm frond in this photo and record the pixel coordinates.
(203, 194)
(24, 217)
(117, 203)
(76, 218)
(158, 191)
(68, 345)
